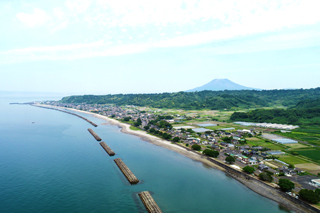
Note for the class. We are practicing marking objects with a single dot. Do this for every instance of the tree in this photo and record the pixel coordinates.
(166, 136)
(126, 118)
(196, 147)
(190, 130)
(309, 195)
(291, 166)
(138, 122)
(248, 169)
(152, 130)
(227, 139)
(286, 185)
(265, 177)
(176, 139)
(211, 153)
(146, 127)
(230, 159)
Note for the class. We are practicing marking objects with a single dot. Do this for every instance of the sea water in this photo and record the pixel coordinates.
(49, 162)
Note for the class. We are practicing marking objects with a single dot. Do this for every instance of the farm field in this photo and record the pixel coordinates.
(310, 167)
(262, 143)
(303, 136)
(297, 146)
(312, 154)
(292, 159)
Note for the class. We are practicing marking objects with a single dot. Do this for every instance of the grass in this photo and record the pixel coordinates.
(312, 154)
(292, 159)
(297, 146)
(262, 143)
(135, 128)
(303, 136)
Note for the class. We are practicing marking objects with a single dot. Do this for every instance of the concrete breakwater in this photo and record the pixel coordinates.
(107, 149)
(149, 202)
(93, 124)
(126, 171)
(94, 135)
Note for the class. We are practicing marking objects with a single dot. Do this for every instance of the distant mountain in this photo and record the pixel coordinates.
(221, 84)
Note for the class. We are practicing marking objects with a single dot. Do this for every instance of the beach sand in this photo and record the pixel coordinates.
(125, 128)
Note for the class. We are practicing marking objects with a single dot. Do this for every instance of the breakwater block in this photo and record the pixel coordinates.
(94, 135)
(107, 149)
(93, 124)
(126, 171)
(149, 202)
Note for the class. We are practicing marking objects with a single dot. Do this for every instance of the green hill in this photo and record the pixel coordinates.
(216, 100)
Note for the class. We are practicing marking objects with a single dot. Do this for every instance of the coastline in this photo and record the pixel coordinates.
(125, 128)
(272, 194)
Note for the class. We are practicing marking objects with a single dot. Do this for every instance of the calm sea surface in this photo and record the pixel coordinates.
(55, 165)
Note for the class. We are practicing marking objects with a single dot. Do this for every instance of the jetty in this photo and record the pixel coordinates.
(107, 149)
(94, 135)
(126, 171)
(149, 202)
(93, 124)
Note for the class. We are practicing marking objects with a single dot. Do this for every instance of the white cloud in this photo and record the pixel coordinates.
(37, 18)
(163, 23)
(78, 6)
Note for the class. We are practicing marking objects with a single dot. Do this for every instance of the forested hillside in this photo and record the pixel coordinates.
(306, 112)
(227, 99)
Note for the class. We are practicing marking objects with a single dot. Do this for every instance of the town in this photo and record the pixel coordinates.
(231, 145)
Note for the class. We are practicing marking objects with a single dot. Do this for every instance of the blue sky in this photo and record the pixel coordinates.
(103, 47)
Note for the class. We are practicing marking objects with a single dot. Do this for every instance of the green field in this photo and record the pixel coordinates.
(264, 144)
(135, 128)
(303, 136)
(312, 154)
(297, 146)
(292, 159)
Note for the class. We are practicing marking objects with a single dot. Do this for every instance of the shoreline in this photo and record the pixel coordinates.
(125, 128)
(272, 194)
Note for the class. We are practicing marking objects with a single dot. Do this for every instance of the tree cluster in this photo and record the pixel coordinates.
(211, 153)
(285, 184)
(310, 195)
(216, 100)
(265, 176)
(248, 169)
(196, 147)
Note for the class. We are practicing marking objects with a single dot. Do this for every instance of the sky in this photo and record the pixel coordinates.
(143, 46)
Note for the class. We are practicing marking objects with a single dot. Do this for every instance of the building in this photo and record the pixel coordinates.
(316, 182)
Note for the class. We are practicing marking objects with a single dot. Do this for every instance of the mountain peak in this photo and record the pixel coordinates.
(220, 84)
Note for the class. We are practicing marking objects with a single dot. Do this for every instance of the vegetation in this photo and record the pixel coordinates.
(309, 196)
(306, 112)
(248, 169)
(312, 154)
(227, 139)
(134, 128)
(285, 184)
(196, 147)
(265, 176)
(211, 153)
(216, 100)
(230, 159)
(176, 139)
(138, 122)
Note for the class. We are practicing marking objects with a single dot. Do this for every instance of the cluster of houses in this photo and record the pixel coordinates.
(242, 153)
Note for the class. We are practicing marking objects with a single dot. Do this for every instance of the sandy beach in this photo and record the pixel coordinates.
(125, 128)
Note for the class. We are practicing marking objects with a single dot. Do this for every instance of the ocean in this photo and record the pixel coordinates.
(49, 162)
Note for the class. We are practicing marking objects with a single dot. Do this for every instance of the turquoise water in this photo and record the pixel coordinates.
(55, 165)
